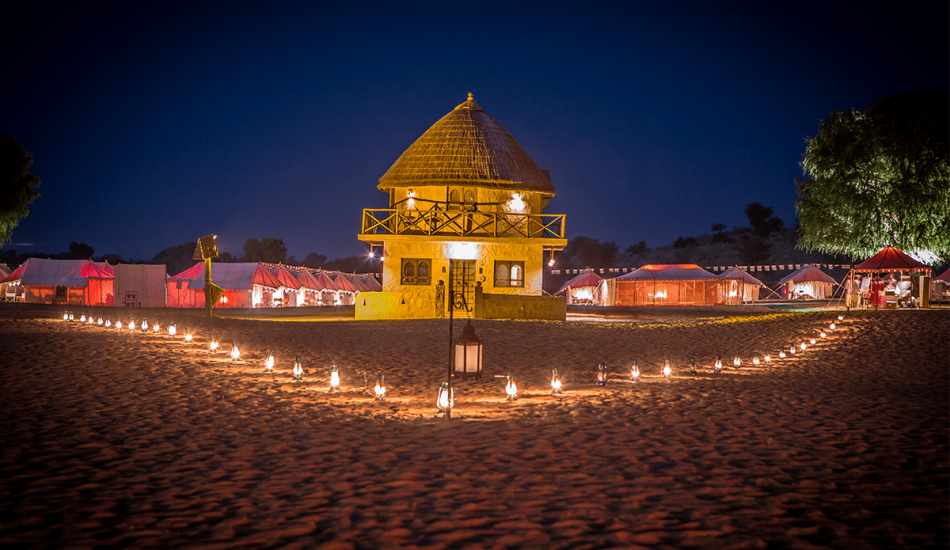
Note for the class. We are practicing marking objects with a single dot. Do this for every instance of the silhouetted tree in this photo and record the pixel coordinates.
(753, 250)
(266, 250)
(17, 185)
(638, 248)
(314, 260)
(879, 177)
(719, 236)
(680, 242)
(226, 257)
(177, 258)
(77, 251)
(113, 259)
(761, 220)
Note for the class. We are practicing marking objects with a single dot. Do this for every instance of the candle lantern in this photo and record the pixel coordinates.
(92, 320)
(767, 357)
(82, 318)
(213, 345)
(132, 325)
(144, 325)
(791, 349)
(235, 352)
(635, 372)
(812, 341)
(717, 366)
(736, 362)
(100, 321)
(298, 369)
(755, 360)
(781, 355)
(334, 378)
(71, 316)
(602, 374)
(841, 317)
(803, 346)
(692, 367)
(108, 323)
(468, 354)
(511, 388)
(831, 326)
(667, 369)
(188, 336)
(445, 398)
(156, 327)
(172, 330)
(822, 334)
(118, 324)
(380, 388)
(66, 316)
(269, 363)
(555, 382)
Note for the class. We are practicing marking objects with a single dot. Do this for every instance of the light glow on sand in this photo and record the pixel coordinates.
(667, 369)
(235, 352)
(635, 372)
(269, 363)
(511, 389)
(555, 382)
(334, 378)
(380, 388)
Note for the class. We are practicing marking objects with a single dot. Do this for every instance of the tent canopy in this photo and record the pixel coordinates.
(807, 274)
(40, 272)
(307, 280)
(736, 273)
(237, 276)
(668, 272)
(890, 259)
(586, 278)
(945, 276)
(344, 284)
(325, 282)
(285, 277)
(371, 284)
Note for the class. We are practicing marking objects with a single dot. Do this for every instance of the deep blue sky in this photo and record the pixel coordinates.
(152, 126)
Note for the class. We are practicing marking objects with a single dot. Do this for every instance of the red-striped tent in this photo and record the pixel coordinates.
(77, 282)
(245, 285)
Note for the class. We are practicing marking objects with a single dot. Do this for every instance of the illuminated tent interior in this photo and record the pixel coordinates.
(347, 289)
(941, 287)
(76, 282)
(674, 285)
(809, 282)
(749, 286)
(245, 285)
(288, 295)
(583, 289)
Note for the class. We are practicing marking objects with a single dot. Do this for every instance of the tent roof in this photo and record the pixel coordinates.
(736, 273)
(369, 281)
(668, 272)
(326, 283)
(307, 280)
(40, 272)
(344, 283)
(285, 277)
(467, 147)
(4, 272)
(807, 274)
(890, 259)
(586, 278)
(945, 276)
(237, 276)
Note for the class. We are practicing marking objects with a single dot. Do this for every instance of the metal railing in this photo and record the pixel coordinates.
(462, 223)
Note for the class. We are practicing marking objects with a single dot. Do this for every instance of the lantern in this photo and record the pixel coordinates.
(445, 398)
(831, 326)
(822, 334)
(298, 369)
(781, 355)
(841, 317)
(511, 388)
(172, 330)
(188, 336)
(118, 324)
(468, 353)
(791, 349)
(692, 367)
(555, 382)
(91, 320)
(736, 362)
(602, 374)
(235, 352)
(66, 316)
(717, 366)
(144, 325)
(667, 369)
(131, 325)
(108, 323)
(755, 360)
(213, 346)
(82, 318)
(100, 322)
(334, 378)
(156, 327)
(803, 345)
(380, 388)
(269, 363)
(71, 316)
(812, 341)
(767, 357)
(635, 372)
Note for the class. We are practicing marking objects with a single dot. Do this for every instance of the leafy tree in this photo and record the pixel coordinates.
(688, 242)
(177, 258)
(879, 177)
(762, 221)
(719, 236)
(314, 260)
(718, 227)
(266, 250)
(77, 251)
(226, 257)
(589, 252)
(753, 250)
(113, 259)
(17, 185)
(638, 248)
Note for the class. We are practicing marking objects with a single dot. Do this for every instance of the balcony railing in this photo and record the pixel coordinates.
(459, 223)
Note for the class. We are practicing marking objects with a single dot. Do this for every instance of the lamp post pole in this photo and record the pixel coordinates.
(449, 295)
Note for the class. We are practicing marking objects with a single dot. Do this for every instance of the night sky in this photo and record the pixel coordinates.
(152, 126)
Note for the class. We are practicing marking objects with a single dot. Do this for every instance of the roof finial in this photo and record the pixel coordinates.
(470, 98)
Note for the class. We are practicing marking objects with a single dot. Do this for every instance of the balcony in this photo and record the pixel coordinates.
(458, 223)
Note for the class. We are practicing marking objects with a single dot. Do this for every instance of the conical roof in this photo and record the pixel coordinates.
(889, 259)
(467, 147)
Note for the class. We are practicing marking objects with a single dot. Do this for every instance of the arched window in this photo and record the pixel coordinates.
(423, 273)
(517, 274)
(469, 199)
(501, 274)
(416, 271)
(409, 270)
(509, 273)
(455, 199)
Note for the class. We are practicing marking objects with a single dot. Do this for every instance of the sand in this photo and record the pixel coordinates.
(112, 439)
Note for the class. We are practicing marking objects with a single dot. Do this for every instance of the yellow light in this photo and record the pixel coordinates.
(667, 370)
(516, 204)
(511, 388)
(235, 352)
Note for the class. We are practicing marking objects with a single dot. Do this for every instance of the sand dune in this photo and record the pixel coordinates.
(119, 439)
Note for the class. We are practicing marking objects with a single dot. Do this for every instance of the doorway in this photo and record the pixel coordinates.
(463, 285)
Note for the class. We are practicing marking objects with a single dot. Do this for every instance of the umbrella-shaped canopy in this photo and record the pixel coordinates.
(736, 273)
(945, 276)
(890, 259)
(586, 278)
(668, 272)
(285, 277)
(807, 274)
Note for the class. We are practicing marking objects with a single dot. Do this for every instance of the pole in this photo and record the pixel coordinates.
(208, 303)
(448, 410)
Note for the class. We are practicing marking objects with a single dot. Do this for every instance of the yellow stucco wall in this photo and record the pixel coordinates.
(502, 306)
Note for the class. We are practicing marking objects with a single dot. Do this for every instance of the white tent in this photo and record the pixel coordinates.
(749, 287)
(809, 282)
(140, 285)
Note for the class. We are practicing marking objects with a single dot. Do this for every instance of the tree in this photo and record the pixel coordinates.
(17, 186)
(688, 242)
(879, 177)
(638, 248)
(753, 250)
(718, 227)
(77, 251)
(266, 250)
(177, 258)
(762, 221)
(314, 260)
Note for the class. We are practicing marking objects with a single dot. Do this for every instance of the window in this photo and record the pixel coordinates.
(455, 199)
(416, 271)
(509, 273)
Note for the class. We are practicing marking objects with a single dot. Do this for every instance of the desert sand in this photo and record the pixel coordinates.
(115, 439)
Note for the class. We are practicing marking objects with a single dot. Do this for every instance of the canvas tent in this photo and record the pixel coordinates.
(940, 291)
(582, 289)
(289, 294)
(672, 285)
(310, 288)
(888, 260)
(347, 289)
(749, 286)
(809, 282)
(140, 285)
(4, 273)
(369, 281)
(330, 292)
(77, 282)
(245, 285)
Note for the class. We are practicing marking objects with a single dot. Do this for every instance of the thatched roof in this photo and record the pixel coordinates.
(467, 148)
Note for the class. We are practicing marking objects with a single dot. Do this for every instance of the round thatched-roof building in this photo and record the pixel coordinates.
(467, 148)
